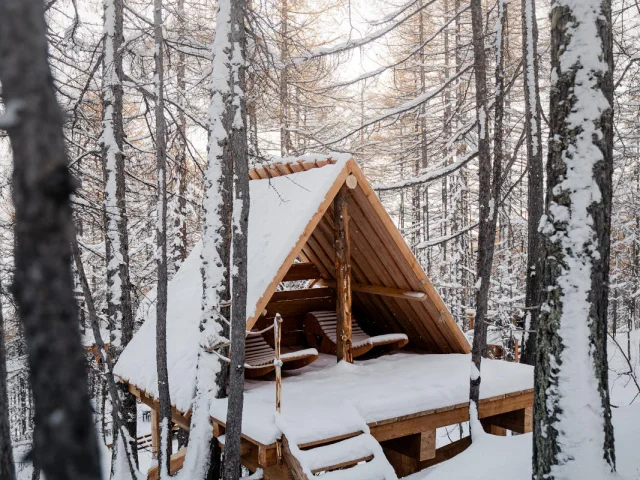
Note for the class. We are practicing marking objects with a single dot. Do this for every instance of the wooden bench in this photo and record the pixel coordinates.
(259, 357)
(321, 331)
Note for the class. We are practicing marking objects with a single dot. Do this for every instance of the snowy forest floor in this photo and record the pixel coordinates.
(501, 457)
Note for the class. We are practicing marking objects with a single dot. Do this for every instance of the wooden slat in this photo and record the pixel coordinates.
(461, 343)
(302, 240)
(322, 234)
(409, 295)
(389, 274)
(302, 271)
(391, 259)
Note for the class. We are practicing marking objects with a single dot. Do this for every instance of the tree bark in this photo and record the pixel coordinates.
(535, 195)
(179, 253)
(7, 467)
(119, 307)
(204, 454)
(343, 276)
(106, 363)
(164, 453)
(487, 213)
(571, 355)
(65, 441)
(237, 121)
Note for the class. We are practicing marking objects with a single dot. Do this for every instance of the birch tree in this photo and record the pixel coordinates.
(64, 441)
(164, 451)
(571, 383)
(119, 309)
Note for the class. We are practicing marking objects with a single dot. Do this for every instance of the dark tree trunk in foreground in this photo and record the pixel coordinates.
(533, 129)
(7, 467)
(236, 122)
(573, 435)
(487, 211)
(65, 441)
(164, 451)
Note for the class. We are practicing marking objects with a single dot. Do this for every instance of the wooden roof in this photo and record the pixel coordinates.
(379, 256)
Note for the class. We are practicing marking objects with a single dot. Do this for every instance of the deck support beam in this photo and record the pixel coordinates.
(155, 433)
(343, 275)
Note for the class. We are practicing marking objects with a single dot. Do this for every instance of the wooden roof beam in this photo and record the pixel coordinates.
(383, 291)
(302, 271)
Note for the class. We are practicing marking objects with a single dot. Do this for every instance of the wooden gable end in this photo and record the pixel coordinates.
(391, 292)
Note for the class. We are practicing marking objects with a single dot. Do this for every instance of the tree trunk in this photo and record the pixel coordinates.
(164, 452)
(204, 454)
(65, 441)
(285, 133)
(487, 214)
(120, 430)
(237, 121)
(119, 308)
(535, 198)
(571, 383)
(7, 467)
(179, 244)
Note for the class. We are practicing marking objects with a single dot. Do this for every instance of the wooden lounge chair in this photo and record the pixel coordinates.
(320, 330)
(259, 357)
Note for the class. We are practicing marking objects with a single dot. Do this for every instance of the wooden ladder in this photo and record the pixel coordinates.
(357, 457)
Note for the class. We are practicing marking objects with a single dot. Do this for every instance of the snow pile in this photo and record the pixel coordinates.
(281, 208)
(379, 389)
(495, 457)
(510, 457)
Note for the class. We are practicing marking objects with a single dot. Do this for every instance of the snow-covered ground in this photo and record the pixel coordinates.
(510, 457)
(492, 457)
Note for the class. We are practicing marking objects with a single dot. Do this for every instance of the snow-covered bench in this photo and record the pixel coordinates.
(321, 332)
(259, 357)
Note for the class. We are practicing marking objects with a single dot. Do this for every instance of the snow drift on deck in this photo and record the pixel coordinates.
(387, 387)
(280, 209)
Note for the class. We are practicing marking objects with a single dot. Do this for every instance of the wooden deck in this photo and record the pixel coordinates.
(404, 438)
(408, 441)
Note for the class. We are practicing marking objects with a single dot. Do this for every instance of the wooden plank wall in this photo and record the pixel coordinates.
(293, 305)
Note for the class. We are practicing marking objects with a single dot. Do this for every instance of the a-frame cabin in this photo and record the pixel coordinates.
(319, 220)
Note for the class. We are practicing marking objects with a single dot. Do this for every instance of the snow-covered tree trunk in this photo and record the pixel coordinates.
(164, 451)
(486, 236)
(179, 245)
(7, 467)
(204, 454)
(535, 200)
(64, 439)
(119, 308)
(571, 383)
(238, 149)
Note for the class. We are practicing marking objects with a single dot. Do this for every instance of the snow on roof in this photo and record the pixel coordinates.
(281, 208)
(387, 387)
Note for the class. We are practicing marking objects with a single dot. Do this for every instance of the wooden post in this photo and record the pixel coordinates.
(343, 275)
(277, 334)
(155, 433)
